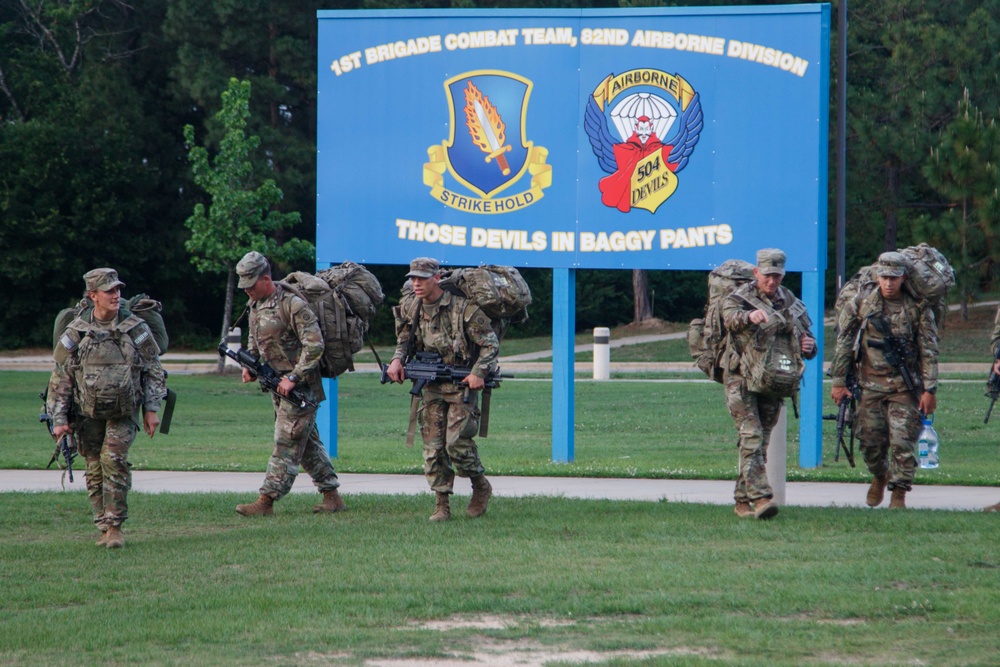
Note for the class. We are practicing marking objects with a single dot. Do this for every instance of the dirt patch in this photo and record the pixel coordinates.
(497, 656)
(492, 652)
(491, 622)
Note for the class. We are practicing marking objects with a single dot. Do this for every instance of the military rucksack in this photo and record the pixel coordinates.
(500, 292)
(106, 365)
(929, 275)
(344, 299)
(772, 363)
(707, 336)
(140, 305)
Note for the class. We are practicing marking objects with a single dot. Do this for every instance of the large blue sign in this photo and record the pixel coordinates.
(669, 138)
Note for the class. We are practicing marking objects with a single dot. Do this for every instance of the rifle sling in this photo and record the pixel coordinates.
(378, 359)
(411, 431)
(484, 413)
(168, 411)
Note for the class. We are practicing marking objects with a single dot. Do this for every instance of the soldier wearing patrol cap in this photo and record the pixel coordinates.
(285, 333)
(754, 314)
(107, 371)
(460, 332)
(889, 412)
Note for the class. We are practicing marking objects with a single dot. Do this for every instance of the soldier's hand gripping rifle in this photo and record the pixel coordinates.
(845, 417)
(268, 378)
(896, 351)
(992, 386)
(427, 367)
(65, 446)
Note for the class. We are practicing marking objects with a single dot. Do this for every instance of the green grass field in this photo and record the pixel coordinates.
(631, 427)
(537, 581)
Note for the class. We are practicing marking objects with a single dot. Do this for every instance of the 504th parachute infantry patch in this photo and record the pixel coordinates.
(487, 152)
(642, 165)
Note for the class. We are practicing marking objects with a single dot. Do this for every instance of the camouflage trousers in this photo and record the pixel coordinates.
(447, 424)
(296, 443)
(755, 417)
(104, 445)
(888, 427)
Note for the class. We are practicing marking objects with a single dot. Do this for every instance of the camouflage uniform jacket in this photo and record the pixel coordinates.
(285, 333)
(908, 318)
(454, 327)
(736, 311)
(147, 373)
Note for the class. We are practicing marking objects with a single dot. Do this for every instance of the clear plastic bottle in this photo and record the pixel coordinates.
(927, 444)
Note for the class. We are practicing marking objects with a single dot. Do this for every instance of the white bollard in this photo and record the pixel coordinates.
(234, 341)
(602, 353)
(777, 457)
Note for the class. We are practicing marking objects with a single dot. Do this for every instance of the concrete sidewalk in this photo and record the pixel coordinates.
(713, 492)
(197, 363)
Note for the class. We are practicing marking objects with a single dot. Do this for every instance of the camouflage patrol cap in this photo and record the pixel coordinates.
(423, 267)
(251, 267)
(771, 261)
(891, 265)
(102, 280)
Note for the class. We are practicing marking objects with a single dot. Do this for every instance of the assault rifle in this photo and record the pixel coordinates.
(896, 351)
(65, 446)
(992, 386)
(427, 367)
(845, 418)
(268, 378)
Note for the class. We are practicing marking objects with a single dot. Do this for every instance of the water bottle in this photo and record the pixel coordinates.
(927, 444)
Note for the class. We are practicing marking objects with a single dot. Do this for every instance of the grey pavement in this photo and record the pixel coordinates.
(712, 492)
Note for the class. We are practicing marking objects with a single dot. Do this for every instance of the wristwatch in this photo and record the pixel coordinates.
(932, 390)
(292, 377)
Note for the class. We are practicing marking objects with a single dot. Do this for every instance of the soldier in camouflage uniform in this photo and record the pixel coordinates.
(745, 312)
(285, 333)
(107, 370)
(889, 415)
(456, 328)
(994, 344)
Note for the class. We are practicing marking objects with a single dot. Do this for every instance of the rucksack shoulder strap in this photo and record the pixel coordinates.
(69, 341)
(128, 324)
(283, 304)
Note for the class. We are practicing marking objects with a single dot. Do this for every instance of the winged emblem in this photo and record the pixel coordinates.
(641, 119)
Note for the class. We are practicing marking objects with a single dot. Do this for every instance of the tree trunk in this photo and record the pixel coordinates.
(230, 289)
(640, 287)
(891, 209)
(965, 259)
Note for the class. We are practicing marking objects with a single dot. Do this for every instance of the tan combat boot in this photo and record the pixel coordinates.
(744, 510)
(992, 508)
(876, 492)
(764, 508)
(898, 499)
(482, 491)
(114, 539)
(263, 506)
(103, 539)
(332, 502)
(442, 510)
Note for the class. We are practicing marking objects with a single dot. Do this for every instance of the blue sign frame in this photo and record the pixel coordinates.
(514, 136)
(651, 138)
